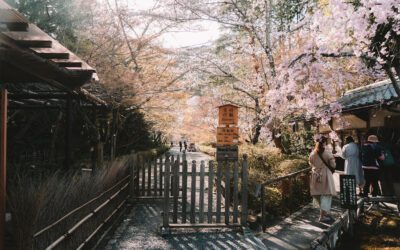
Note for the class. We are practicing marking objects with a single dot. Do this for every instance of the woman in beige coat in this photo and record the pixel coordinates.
(322, 186)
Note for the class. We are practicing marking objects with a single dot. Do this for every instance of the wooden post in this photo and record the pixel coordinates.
(184, 188)
(219, 177)
(193, 195)
(244, 191)
(148, 177)
(161, 175)
(3, 166)
(201, 202)
(227, 191)
(166, 194)
(351, 221)
(263, 208)
(210, 191)
(143, 167)
(235, 192)
(175, 188)
(155, 179)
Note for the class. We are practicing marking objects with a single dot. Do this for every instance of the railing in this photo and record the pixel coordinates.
(262, 192)
(109, 195)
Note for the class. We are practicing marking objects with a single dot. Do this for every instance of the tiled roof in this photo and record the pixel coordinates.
(375, 93)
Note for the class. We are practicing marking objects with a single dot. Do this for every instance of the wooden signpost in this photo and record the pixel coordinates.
(227, 136)
(227, 133)
(348, 198)
(228, 115)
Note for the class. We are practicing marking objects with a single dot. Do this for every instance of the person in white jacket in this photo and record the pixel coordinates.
(352, 165)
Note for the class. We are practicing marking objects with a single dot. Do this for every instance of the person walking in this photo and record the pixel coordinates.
(371, 153)
(352, 164)
(180, 146)
(185, 145)
(322, 186)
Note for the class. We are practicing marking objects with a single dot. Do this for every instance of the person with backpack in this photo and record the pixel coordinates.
(371, 153)
(322, 186)
(387, 167)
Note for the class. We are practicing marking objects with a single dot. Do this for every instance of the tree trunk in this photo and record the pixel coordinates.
(278, 140)
(256, 135)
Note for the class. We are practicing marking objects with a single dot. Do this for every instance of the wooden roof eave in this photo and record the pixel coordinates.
(44, 69)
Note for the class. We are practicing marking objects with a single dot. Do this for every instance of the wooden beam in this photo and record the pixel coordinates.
(3, 166)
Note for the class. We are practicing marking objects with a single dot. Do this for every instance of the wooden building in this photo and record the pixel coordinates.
(371, 109)
(37, 73)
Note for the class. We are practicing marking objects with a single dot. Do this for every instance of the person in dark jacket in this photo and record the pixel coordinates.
(371, 153)
(180, 146)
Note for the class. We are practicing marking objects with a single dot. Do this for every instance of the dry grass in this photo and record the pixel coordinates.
(37, 202)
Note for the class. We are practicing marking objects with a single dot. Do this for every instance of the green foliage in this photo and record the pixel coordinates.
(298, 141)
(134, 133)
(286, 12)
(59, 18)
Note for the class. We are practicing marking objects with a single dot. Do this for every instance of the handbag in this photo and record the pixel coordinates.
(326, 164)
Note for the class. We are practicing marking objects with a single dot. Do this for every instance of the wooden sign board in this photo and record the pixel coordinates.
(348, 198)
(228, 114)
(227, 136)
(227, 153)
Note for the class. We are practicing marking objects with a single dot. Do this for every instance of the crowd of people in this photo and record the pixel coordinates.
(373, 164)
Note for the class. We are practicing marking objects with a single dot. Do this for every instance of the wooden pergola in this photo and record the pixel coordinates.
(30, 56)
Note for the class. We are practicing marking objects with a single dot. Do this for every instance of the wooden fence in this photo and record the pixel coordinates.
(148, 176)
(106, 205)
(226, 207)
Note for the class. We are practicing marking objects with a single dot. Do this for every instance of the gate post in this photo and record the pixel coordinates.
(166, 194)
(243, 218)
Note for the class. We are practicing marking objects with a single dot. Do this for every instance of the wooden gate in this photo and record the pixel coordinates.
(147, 177)
(204, 196)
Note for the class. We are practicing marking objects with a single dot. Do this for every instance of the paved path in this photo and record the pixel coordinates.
(140, 229)
(300, 229)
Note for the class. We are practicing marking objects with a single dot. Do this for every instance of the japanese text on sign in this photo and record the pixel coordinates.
(348, 198)
(228, 114)
(227, 136)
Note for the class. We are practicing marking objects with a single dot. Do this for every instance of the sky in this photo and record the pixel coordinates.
(208, 31)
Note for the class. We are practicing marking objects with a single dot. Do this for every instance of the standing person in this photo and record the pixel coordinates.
(185, 144)
(352, 164)
(386, 168)
(371, 152)
(180, 146)
(322, 186)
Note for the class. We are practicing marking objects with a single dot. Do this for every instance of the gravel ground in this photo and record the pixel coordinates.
(140, 230)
